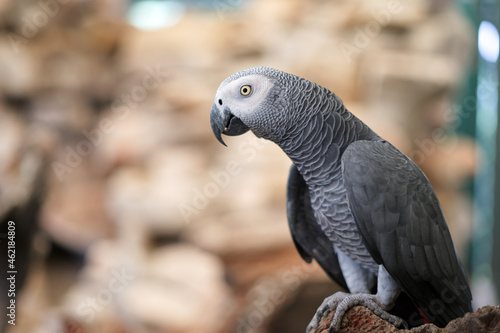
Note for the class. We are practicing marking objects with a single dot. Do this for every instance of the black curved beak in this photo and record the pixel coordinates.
(225, 123)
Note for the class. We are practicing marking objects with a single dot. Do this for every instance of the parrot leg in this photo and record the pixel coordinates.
(342, 302)
(387, 292)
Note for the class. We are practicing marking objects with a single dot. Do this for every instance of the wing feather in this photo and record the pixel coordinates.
(404, 229)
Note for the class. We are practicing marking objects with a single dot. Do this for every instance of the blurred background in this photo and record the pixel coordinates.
(130, 217)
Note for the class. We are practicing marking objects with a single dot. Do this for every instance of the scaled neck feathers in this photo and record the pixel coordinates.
(321, 130)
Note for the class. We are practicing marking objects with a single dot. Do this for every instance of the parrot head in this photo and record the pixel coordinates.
(253, 99)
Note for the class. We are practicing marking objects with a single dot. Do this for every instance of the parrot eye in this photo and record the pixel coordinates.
(245, 90)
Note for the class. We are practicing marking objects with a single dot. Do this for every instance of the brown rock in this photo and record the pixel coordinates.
(74, 213)
(244, 231)
(180, 283)
(160, 190)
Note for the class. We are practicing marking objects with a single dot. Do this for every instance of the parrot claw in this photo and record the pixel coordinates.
(329, 304)
(341, 302)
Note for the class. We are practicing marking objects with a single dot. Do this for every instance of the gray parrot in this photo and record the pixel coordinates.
(357, 205)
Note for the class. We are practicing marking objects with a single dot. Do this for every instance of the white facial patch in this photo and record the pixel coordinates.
(231, 97)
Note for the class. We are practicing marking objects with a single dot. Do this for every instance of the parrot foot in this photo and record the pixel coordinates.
(342, 302)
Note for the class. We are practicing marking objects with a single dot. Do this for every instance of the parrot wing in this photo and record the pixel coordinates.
(310, 240)
(403, 227)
